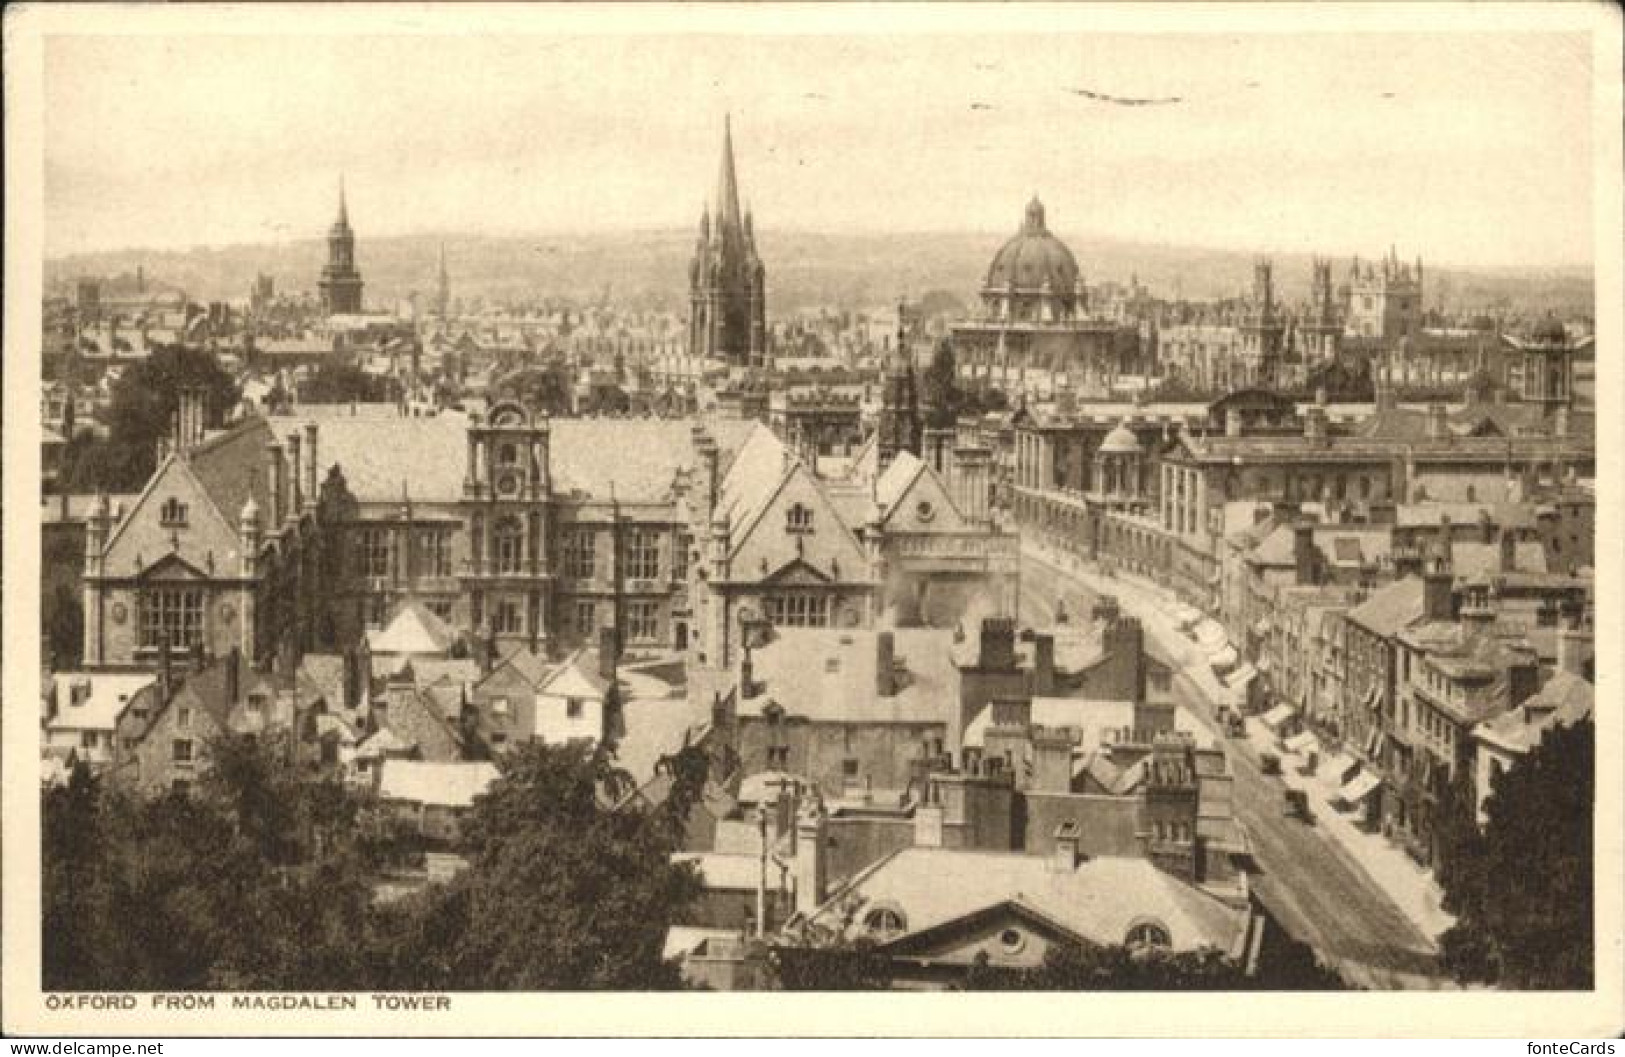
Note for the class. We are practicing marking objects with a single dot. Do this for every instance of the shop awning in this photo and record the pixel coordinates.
(1362, 786)
(1303, 742)
(1278, 715)
(1225, 657)
(1238, 679)
(1373, 743)
(1340, 767)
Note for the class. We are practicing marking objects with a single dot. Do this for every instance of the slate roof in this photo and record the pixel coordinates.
(379, 452)
(829, 676)
(438, 784)
(412, 629)
(1470, 560)
(1390, 607)
(107, 694)
(378, 449)
(232, 466)
(1099, 900)
(1275, 549)
(894, 483)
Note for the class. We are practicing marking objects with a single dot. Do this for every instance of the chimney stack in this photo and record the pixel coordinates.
(1067, 854)
(810, 862)
(295, 475)
(277, 484)
(1438, 423)
(1437, 583)
(885, 664)
(1043, 665)
(1303, 554)
(166, 675)
(609, 652)
(1052, 761)
(998, 644)
(311, 468)
(1574, 650)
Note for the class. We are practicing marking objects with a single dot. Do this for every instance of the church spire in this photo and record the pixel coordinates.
(344, 211)
(727, 184)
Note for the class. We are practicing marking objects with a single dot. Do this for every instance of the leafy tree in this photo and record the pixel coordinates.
(64, 618)
(941, 385)
(845, 966)
(562, 891)
(1524, 901)
(142, 411)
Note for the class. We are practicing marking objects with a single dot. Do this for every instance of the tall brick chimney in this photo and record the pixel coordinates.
(1303, 554)
(885, 664)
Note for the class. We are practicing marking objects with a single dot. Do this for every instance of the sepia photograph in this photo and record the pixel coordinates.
(768, 499)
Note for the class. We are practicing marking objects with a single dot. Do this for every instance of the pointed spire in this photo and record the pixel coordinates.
(344, 210)
(727, 202)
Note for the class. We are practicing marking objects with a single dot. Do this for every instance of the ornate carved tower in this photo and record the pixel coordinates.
(726, 280)
(507, 495)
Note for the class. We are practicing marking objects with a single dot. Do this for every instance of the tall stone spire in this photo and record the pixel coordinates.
(727, 282)
(727, 203)
(340, 284)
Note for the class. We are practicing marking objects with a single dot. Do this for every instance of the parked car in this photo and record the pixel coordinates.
(1297, 805)
(1269, 763)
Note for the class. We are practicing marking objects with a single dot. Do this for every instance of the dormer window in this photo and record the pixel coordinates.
(172, 513)
(799, 518)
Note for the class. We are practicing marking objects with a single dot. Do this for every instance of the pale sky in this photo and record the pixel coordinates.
(1468, 149)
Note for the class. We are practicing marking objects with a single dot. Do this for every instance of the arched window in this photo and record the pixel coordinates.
(885, 922)
(509, 545)
(1147, 934)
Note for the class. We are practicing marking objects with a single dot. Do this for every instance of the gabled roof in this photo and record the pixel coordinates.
(1390, 607)
(232, 468)
(381, 742)
(899, 477)
(530, 668)
(1276, 548)
(577, 676)
(412, 629)
(103, 698)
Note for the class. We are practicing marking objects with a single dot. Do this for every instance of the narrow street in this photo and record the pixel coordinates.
(1314, 888)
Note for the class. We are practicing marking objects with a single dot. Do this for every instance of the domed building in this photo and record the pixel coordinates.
(1036, 334)
(1034, 277)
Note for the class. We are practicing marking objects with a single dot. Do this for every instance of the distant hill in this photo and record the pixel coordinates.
(805, 269)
